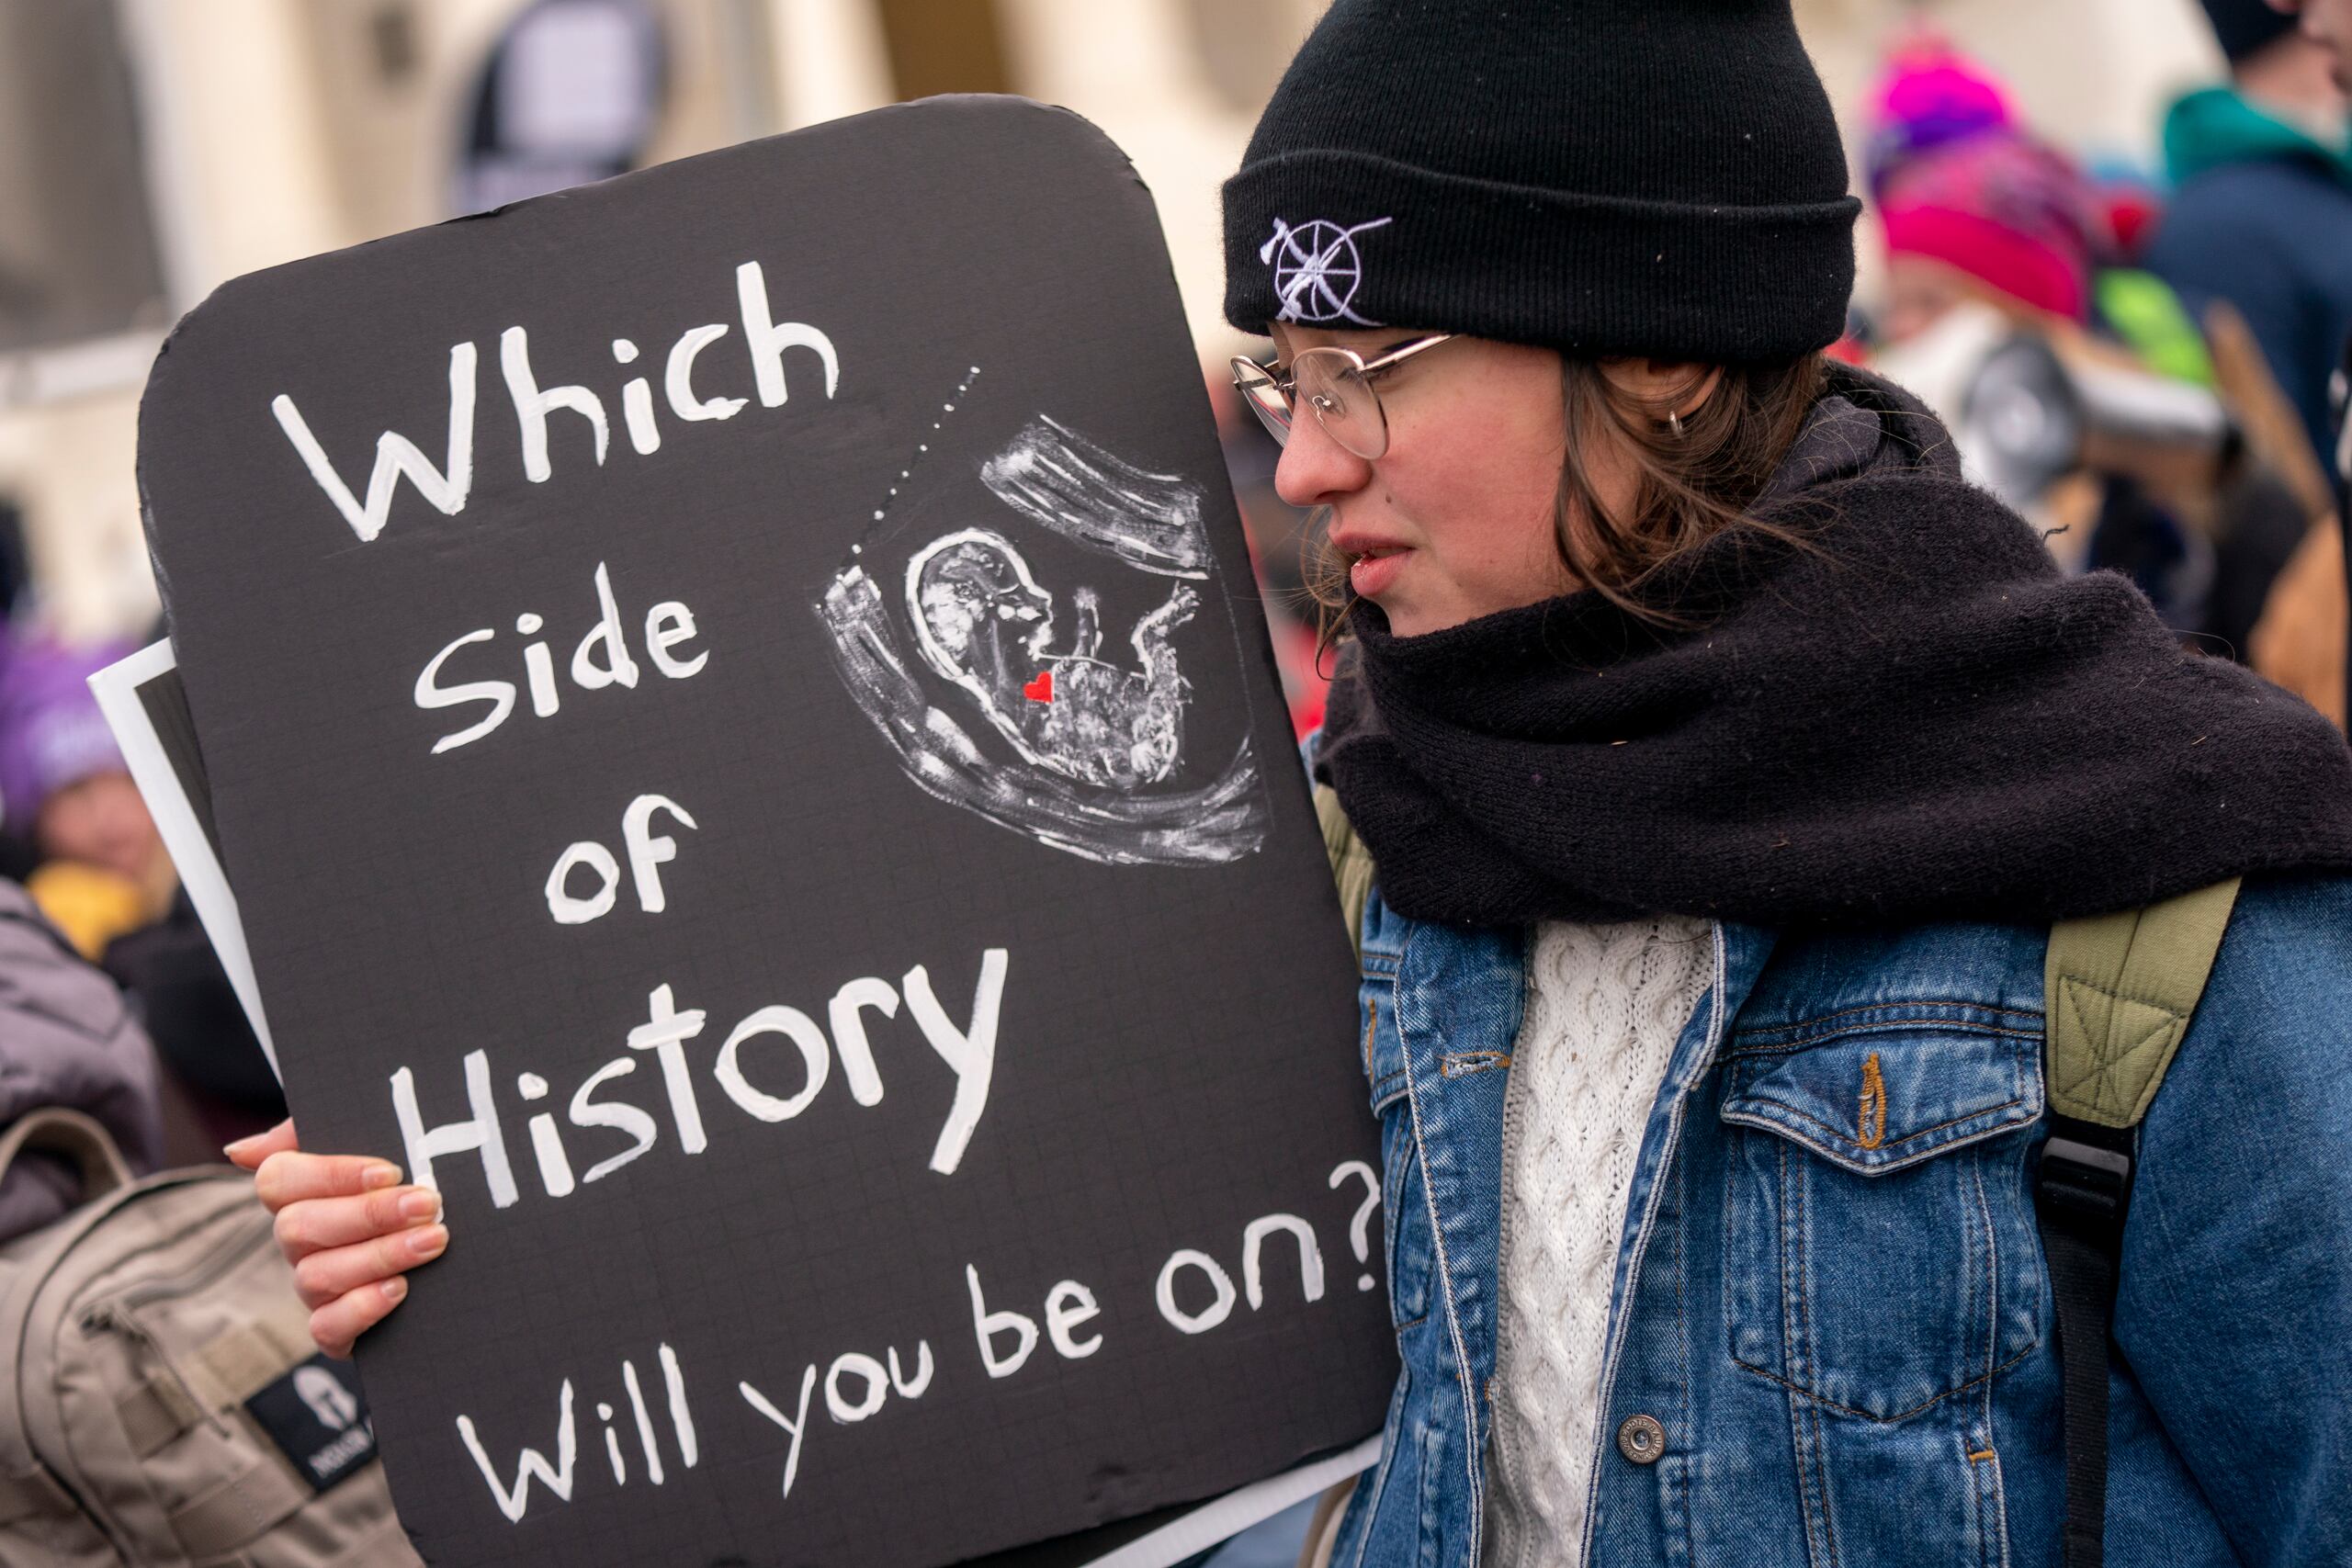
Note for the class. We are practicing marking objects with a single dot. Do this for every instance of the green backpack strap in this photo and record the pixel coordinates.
(1352, 867)
(2119, 991)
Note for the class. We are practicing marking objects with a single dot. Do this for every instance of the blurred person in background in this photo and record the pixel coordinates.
(2262, 219)
(99, 873)
(100, 869)
(1971, 206)
(2261, 213)
(1981, 216)
(2328, 23)
(67, 1041)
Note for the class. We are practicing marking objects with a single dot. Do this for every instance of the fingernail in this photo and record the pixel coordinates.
(394, 1289)
(422, 1204)
(379, 1175)
(230, 1149)
(429, 1242)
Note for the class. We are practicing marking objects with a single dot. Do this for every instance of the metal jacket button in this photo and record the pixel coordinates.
(1640, 1439)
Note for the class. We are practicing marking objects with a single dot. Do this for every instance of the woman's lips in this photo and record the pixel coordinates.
(1373, 572)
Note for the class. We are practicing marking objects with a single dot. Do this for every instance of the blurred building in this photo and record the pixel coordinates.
(150, 149)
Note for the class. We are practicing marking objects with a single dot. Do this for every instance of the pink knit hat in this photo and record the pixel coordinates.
(2006, 211)
(1957, 177)
(1929, 98)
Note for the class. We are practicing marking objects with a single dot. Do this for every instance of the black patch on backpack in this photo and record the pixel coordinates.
(318, 1417)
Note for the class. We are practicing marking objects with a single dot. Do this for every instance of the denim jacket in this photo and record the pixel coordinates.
(1836, 1312)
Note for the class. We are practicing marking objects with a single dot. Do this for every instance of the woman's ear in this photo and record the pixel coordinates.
(1677, 387)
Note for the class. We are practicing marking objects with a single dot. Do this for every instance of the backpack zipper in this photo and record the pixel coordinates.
(220, 1262)
(117, 1313)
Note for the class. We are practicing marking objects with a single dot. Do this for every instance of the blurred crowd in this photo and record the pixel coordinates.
(2145, 362)
(2142, 360)
(75, 833)
(2148, 363)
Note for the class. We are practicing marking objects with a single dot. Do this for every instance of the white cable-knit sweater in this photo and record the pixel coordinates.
(1605, 1004)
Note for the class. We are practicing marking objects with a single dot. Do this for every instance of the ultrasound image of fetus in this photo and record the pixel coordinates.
(983, 621)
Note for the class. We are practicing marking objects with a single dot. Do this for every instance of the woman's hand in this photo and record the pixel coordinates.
(348, 1227)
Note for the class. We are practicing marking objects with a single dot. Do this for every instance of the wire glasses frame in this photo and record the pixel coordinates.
(1336, 383)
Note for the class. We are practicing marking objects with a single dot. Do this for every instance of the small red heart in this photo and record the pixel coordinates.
(1040, 690)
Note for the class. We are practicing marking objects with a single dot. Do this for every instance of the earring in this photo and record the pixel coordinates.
(1674, 422)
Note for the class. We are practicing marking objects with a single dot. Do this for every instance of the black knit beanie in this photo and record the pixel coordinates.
(1600, 177)
(2244, 26)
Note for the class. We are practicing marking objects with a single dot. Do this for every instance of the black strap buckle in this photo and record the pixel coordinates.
(2085, 1181)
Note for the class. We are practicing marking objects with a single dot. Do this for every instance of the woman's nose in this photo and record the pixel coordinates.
(1315, 470)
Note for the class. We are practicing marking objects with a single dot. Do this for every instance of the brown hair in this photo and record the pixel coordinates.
(1689, 487)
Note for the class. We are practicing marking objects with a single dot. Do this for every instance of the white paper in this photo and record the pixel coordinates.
(1212, 1523)
(117, 689)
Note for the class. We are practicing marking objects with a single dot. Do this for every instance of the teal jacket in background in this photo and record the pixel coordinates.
(1836, 1307)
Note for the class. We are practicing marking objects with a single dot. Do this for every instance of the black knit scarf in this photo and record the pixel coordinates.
(1919, 717)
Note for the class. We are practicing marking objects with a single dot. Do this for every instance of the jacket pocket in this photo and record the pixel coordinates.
(1880, 1252)
(1379, 1046)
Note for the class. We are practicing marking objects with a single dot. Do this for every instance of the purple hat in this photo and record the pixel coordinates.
(51, 734)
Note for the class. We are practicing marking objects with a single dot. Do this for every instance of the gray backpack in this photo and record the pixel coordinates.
(164, 1403)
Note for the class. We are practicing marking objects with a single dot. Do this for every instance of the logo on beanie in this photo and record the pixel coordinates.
(1317, 270)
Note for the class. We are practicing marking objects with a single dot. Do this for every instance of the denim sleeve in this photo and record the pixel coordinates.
(2236, 1304)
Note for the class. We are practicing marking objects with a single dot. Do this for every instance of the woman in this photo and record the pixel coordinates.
(1725, 760)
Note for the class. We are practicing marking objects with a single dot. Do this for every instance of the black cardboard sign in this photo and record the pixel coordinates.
(736, 720)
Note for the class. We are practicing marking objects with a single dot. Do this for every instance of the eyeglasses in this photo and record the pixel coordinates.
(1334, 382)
